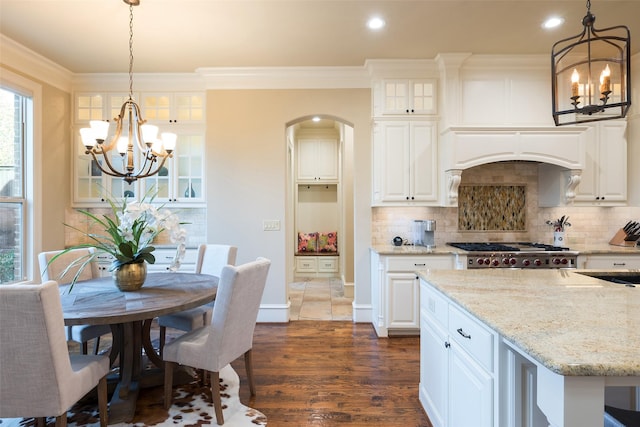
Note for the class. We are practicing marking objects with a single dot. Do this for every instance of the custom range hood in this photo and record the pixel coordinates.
(463, 147)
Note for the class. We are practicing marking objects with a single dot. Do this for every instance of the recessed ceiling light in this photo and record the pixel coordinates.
(375, 23)
(316, 119)
(553, 22)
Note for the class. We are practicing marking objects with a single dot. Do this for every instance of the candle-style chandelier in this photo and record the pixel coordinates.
(591, 74)
(152, 152)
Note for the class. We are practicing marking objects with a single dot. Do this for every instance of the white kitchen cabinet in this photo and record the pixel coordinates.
(457, 355)
(604, 177)
(405, 169)
(407, 97)
(396, 291)
(609, 262)
(317, 160)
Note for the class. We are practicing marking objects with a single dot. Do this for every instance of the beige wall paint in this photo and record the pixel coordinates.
(56, 165)
(246, 167)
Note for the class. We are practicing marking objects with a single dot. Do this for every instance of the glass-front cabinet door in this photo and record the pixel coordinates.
(181, 179)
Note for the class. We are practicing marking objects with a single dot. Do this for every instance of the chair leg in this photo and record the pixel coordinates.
(61, 420)
(102, 401)
(41, 422)
(96, 345)
(163, 337)
(85, 347)
(215, 396)
(248, 365)
(168, 383)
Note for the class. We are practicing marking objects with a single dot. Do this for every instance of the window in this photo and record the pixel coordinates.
(13, 113)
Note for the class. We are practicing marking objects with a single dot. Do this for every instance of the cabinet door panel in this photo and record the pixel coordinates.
(403, 299)
(470, 392)
(434, 362)
(395, 163)
(424, 162)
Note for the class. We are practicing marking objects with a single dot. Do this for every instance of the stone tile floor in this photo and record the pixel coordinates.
(319, 299)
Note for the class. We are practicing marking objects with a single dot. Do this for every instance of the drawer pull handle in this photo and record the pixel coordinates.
(420, 265)
(447, 344)
(464, 335)
(619, 263)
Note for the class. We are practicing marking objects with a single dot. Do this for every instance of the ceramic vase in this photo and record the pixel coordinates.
(559, 238)
(130, 277)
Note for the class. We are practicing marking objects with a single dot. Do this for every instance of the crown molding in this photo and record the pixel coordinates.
(285, 77)
(32, 64)
(149, 82)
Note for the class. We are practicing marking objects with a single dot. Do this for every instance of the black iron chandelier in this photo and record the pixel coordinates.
(591, 74)
(152, 152)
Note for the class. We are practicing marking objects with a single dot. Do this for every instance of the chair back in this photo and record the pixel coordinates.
(34, 359)
(74, 259)
(236, 310)
(211, 258)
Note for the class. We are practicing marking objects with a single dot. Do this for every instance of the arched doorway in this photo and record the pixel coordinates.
(319, 250)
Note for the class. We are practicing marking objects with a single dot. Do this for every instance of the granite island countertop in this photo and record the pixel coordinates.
(572, 324)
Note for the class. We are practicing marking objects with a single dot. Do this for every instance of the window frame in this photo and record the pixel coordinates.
(32, 157)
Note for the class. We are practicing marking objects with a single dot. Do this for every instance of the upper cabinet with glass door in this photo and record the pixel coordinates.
(402, 97)
(175, 108)
(91, 186)
(181, 178)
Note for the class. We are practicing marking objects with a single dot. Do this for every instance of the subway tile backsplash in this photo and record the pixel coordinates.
(589, 225)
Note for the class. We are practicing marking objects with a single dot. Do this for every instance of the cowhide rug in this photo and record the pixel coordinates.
(191, 407)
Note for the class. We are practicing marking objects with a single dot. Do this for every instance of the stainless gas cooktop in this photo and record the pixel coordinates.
(516, 255)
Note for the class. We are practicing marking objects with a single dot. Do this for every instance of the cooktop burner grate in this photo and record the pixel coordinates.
(506, 247)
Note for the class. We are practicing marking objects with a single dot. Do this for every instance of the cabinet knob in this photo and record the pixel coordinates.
(407, 197)
(447, 344)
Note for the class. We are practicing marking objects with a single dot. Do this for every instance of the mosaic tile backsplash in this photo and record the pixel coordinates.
(492, 208)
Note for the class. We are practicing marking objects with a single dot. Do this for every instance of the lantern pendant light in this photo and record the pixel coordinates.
(591, 74)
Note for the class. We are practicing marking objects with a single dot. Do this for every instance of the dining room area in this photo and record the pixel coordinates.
(211, 314)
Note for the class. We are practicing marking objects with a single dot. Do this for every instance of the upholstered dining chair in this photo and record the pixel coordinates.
(230, 334)
(71, 262)
(38, 377)
(211, 259)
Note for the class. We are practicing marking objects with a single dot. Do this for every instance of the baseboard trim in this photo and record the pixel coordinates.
(274, 313)
(362, 313)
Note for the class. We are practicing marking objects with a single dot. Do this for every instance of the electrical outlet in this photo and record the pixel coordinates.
(271, 225)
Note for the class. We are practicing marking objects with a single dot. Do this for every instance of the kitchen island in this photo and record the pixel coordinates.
(524, 347)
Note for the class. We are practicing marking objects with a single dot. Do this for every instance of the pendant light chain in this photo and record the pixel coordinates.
(131, 51)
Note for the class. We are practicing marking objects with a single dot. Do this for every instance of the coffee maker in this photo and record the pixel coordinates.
(424, 233)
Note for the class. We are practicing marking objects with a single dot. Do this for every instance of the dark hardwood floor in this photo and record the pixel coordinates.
(330, 373)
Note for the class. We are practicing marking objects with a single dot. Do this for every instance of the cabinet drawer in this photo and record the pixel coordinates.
(608, 262)
(411, 264)
(434, 305)
(306, 264)
(472, 337)
(327, 264)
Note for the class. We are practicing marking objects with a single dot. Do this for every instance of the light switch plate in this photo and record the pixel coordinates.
(271, 225)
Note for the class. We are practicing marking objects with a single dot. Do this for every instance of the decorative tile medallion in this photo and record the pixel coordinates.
(492, 208)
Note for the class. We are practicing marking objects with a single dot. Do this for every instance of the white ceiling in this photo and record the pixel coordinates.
(88, 36)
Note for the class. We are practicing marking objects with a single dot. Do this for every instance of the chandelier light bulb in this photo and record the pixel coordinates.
(123, 144)
(149, 134)
(169, 141)
(100, 129)
(88, 137)
(575, 83)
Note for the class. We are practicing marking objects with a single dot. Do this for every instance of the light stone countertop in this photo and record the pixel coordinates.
(573, 324)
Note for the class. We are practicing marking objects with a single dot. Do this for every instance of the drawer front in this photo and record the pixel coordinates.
(613, 262)
(434, 305)
(165, 256)
(327, 264)
(411, 264)
(306, 264)
(472, 336)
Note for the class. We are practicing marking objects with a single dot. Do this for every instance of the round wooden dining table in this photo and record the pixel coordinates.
(130, 314)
